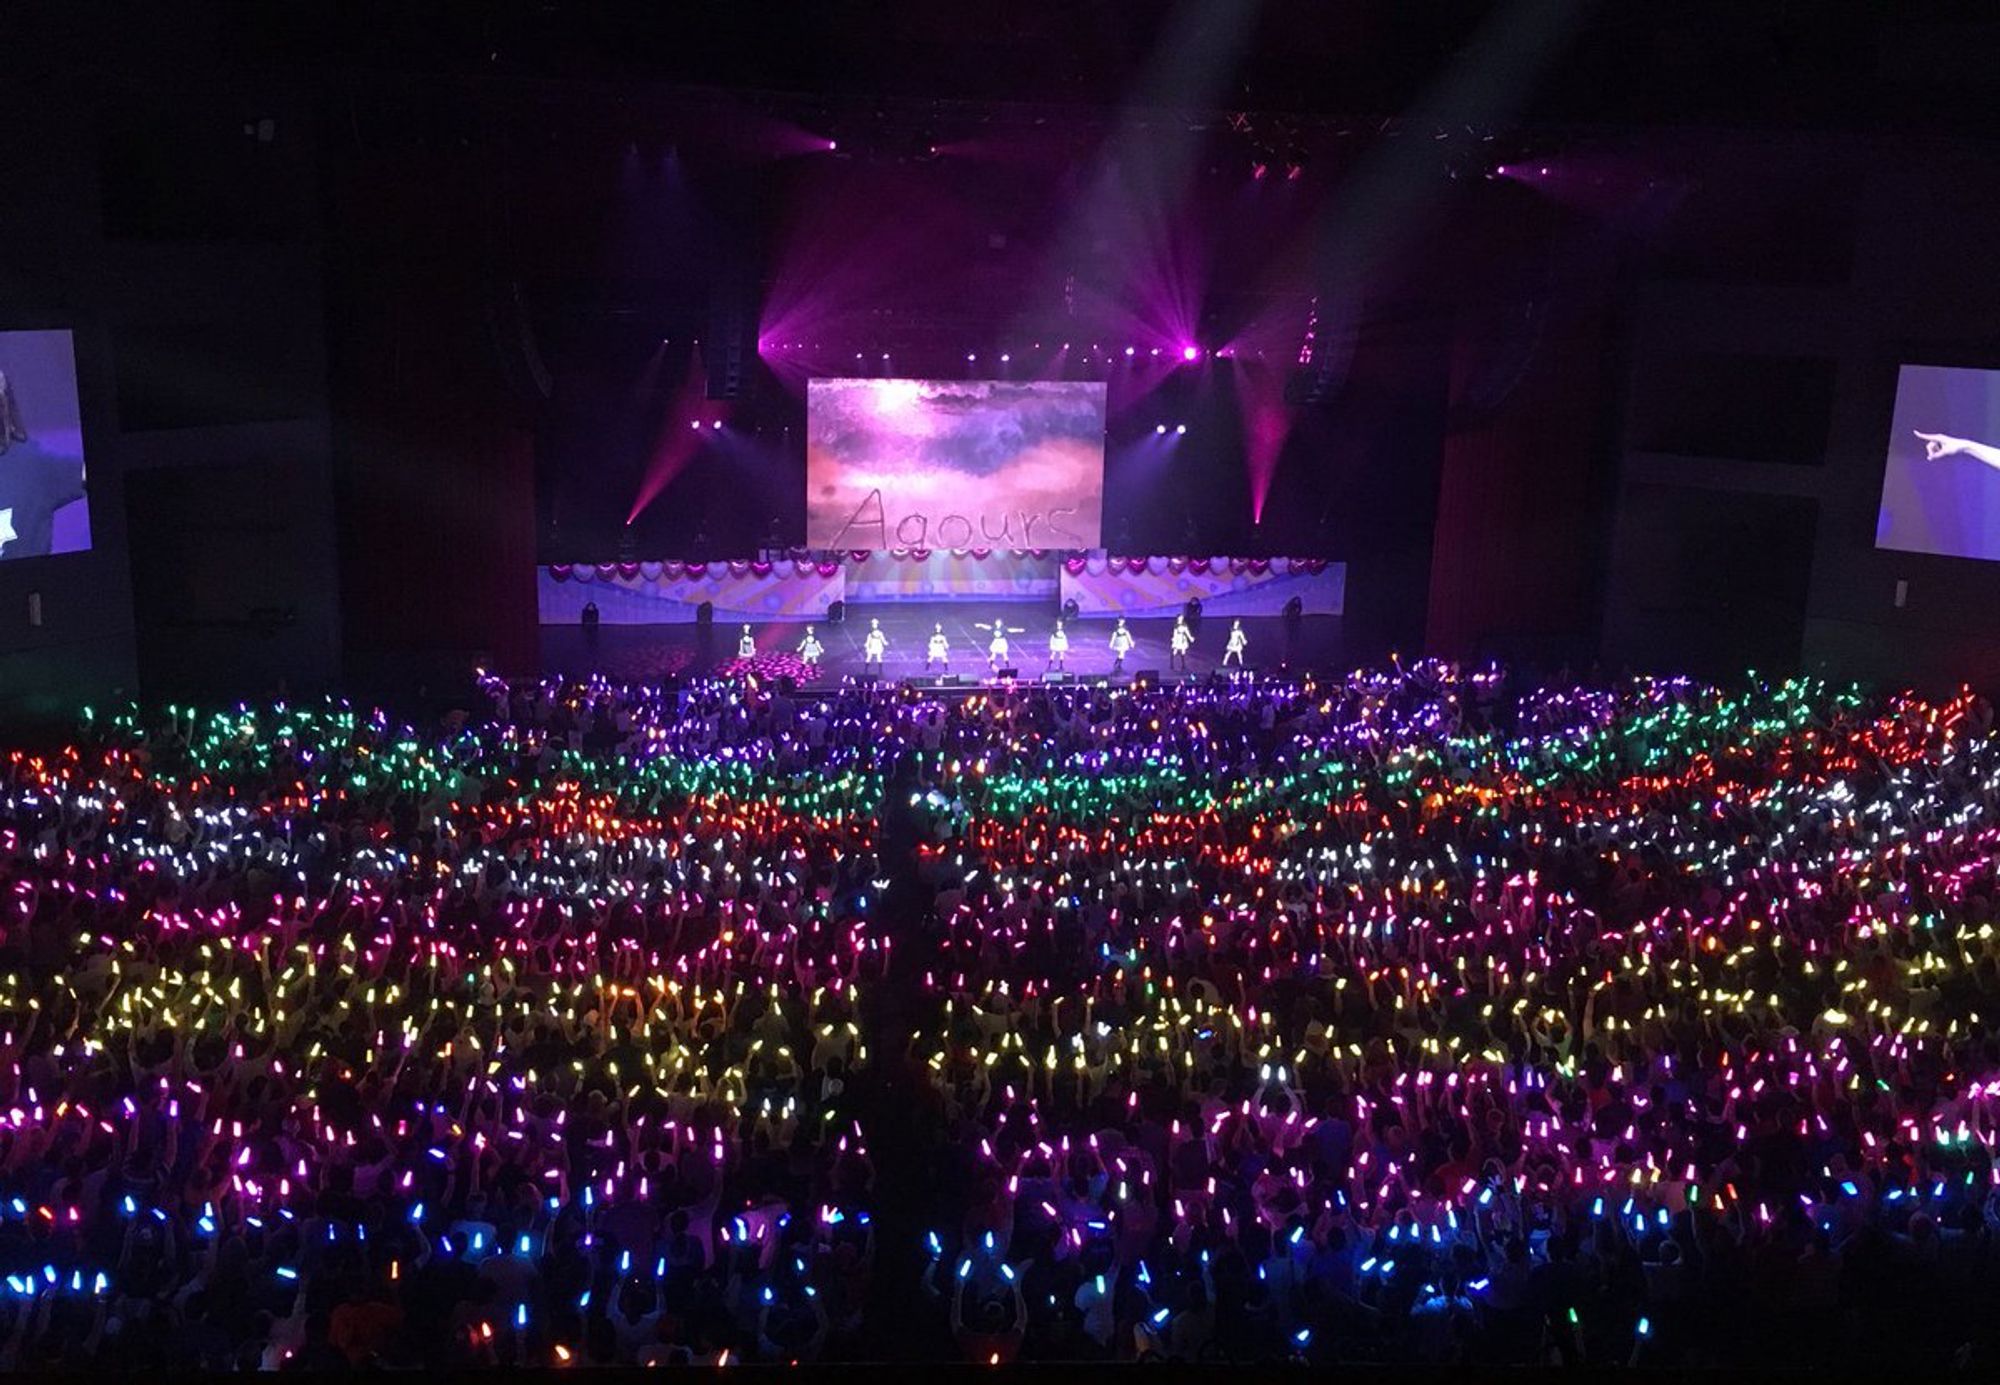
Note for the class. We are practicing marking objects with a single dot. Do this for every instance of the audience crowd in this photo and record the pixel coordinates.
(1420, 1015)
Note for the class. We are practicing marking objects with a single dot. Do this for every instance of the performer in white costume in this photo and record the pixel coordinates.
(1058, 646)
(1183, 641)
(1121, 645)
(746, 647)
(873, 646)
(1238, 642)
(810, 649)
(996, 649)
(939, 652)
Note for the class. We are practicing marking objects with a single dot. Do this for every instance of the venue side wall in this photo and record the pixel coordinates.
(182, 251)
(436, 453)
(1727, 554)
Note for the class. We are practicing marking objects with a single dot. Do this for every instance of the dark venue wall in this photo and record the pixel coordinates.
(160, 204)
(1924, 286)
(1783, 285)
(1517, 563)
(435, 446)
(367, 323)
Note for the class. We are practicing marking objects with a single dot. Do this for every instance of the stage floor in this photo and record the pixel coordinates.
(648, 653)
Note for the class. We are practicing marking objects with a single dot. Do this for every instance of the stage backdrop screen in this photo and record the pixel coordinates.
(954, 463)
(1941, 488)
(43, 509)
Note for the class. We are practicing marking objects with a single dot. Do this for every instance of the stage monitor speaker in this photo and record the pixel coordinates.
(1055, 678)
(1010, 675)
(704, 614)
(836, 612)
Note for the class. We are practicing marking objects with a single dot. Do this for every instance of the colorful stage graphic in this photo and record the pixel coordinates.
(1141, 587)
(927, 576)
(802, 587)
(671, 593)
(954, 464)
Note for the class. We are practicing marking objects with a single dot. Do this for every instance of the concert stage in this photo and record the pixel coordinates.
(633, 653)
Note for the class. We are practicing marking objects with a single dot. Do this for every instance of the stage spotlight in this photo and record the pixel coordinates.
(1129, 350)
(971, 357)
(717, 425)
(1156, 351)
(695, 424)
(1159, 427)
(1180, 428)
(1190, 353)
(832, 145)
(1004, 358)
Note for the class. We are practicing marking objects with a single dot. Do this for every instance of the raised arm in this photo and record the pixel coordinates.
(1937, 445)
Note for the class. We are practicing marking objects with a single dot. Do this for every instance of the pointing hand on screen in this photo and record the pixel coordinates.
(1937, 445)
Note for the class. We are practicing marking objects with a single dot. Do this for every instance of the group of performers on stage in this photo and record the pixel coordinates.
(937, 654)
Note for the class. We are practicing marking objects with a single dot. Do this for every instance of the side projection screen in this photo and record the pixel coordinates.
(1941, 487)
(954, 463)
(43, 508)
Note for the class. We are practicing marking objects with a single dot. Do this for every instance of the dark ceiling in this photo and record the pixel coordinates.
(1797, 63)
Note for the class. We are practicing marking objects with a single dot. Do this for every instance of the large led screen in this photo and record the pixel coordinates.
(43, 509)
(1941, 488)
(954, 463)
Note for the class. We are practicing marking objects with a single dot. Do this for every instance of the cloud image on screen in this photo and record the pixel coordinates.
(1941, 487)
(43, 506)
(954, 464)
